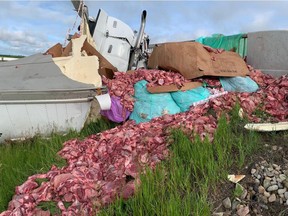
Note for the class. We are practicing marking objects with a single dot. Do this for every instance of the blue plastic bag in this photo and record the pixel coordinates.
(239, 84)
(184, 99)
(148, 106)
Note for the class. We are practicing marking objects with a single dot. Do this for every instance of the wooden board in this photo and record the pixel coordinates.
(173, 87)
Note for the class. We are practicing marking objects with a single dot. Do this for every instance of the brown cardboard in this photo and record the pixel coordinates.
(192, 60)
(55, 51)
(105, 68)
(173, 87)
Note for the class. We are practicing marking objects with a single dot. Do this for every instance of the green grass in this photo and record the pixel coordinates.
(182, 184)
(19, 160)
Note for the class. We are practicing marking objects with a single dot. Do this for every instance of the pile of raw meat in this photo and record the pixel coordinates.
(107, 164)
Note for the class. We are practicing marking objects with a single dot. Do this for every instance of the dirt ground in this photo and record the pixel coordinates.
(274, 149)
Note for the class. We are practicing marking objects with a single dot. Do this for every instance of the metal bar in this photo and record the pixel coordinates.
(76, 100)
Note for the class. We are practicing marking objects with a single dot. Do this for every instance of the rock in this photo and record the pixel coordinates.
(269, 174)
(263, 206)
(281, 191)
(261, 189)
(281, 201)
(280, 186)
(243, 211)
(272, 188)
(274, 148)
(266, 194)
(253, 171)
(285, 182)
(227, 203)
(270, 169)
(244, 194)
(263, 199)
(285, 172)
(272, 198)
(282, 177)
(257, 181)
(287, 202)
(268, 178)
(266, 183)
(235, 204)
(286, 195)
(276, 172)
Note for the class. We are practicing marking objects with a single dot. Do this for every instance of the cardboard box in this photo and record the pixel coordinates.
(192, 60)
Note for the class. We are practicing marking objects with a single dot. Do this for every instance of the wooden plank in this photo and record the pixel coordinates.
(173, 87)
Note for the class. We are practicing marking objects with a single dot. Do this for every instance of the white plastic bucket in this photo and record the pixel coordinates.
(104, 101)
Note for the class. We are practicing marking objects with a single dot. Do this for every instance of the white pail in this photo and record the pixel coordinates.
(104, 101)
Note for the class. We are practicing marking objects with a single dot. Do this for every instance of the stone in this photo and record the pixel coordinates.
(269, 174)
(280, 186)
(285, 172)
(268, 178)
(266, 183)
(282, 177)
(274, 148)
(263, 199)
(276, 172)
(281, 191)
(286, 195)
(235, 203)
(243, 211)
(266, 194)
(257, 181)
(270, 169)
(244, 194)
(227, 203)
(263, 206)
(272, 188)
(287, 202)
(261, 189)
(285, 182)
(272, 198)
(281, 201)
(253, 171)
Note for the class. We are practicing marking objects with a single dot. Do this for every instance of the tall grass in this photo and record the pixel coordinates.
(181, 185)
(19, 160)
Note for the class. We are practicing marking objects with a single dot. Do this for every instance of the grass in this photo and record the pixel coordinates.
(19, 160)
(181, 185)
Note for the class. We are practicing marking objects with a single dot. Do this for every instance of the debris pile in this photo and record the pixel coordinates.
(107, 164)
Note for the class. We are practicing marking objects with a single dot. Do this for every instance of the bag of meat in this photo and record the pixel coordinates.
(148, 106)
(184, 99)
(239, 84)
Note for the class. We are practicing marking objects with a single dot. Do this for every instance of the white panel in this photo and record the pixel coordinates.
(19, 121)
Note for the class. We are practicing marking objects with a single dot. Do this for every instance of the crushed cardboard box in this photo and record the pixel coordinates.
(192, 60)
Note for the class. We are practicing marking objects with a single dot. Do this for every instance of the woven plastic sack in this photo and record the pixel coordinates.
(117, 112)
(184, 99)
(239, 84)
(231, 42)
(148, 106)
